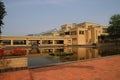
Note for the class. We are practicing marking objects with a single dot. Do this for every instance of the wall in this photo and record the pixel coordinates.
(16, 62)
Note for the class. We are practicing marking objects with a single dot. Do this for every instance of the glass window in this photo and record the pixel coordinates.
(6, 42)
(81, 32)
(19, 42)
(67, 33)
(59, 42)
(47, 41)
(73, 33)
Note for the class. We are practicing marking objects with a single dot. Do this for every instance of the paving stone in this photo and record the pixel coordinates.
(99, 69)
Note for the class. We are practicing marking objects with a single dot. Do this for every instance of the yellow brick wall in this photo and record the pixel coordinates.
(13, 62)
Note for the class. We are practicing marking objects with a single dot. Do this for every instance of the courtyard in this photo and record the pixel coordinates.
(106, 68)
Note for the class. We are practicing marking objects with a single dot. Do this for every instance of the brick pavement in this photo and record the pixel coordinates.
(99, 69)
(16, 75)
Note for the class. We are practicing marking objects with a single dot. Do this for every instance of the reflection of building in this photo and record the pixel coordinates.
(85, 53)
(79, 53)
(70, 34)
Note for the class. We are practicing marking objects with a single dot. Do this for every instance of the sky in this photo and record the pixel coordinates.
(36, 16)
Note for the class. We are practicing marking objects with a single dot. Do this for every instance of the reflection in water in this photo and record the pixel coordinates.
(79, 53)
(43, 58)
(82, 53)
(109, 51)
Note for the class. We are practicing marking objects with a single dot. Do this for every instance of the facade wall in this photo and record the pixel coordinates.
(86, 33)
(43, 41)
(70, 34)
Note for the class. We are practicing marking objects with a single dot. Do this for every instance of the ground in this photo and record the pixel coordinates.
(107, 68)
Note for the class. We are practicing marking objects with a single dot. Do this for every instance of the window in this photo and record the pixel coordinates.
(6, 42)
(47, 42)
(59, 42)
(19, 42)
(67, 33)
(81, 32)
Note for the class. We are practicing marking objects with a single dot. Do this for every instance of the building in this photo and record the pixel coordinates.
(85, 33)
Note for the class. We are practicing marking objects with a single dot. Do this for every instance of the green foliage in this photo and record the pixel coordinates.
(113, 51)
(94, 44)
(2, 14)
(61, 54)
(114, 27)
(103, 37)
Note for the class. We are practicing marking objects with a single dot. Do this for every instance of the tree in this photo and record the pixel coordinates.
(114, 27)
(2, 14)
(102, 38)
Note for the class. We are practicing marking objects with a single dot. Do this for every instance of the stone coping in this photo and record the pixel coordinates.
(6, 57)
(62, 63)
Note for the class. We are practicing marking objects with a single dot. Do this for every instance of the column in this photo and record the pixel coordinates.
(27, 42)
(11, 43)
(40, 42)
(53, 42)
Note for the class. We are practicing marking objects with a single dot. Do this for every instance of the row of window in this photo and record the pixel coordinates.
(23, 42)
(51, 50)
(83, 32)
(74, 33)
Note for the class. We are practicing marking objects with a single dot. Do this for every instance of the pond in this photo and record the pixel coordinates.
(43, 58)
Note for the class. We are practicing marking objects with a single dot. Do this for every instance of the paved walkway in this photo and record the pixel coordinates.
(100, 69)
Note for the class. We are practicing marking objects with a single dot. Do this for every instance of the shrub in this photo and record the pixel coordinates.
(94, 44)
(14, 52)
(1, 52)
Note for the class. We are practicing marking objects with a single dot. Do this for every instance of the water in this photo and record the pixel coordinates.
(40, 61)
(79, 53)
